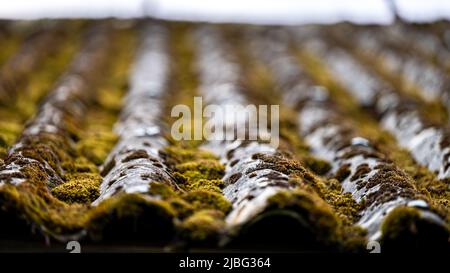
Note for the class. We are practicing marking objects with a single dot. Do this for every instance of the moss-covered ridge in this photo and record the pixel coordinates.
(35, 86)
(298, 214)
(160, 213)
(388, 176)
(45, 153)
(51, 193)
(433, 190)
(296, 219)
(294, 155)
(59, 209)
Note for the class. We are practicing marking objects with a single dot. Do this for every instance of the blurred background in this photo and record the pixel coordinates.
(283, 12)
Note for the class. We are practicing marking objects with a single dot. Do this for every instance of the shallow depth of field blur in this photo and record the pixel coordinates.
(90, 93)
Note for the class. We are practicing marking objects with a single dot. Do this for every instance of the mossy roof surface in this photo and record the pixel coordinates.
(81, 158)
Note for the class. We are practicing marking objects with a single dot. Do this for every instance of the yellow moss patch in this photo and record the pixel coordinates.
(162, 190)
(320, 218)
(434, 191)
(405, 228)
(78, 190)
(174, 155)
(203, 199)
(203, 225)
(209, 169)
(132, 216)
(97, 146)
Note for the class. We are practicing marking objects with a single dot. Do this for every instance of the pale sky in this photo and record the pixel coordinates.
(242, 11)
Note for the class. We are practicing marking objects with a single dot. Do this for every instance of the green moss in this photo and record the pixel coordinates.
(203, 226)
(96, 146)
(45, 155)
(205, 184)
(405, 229)
(132, 216)
(174, 155)
(196, 171)
(35, 175)
(330, 190)
(162, 190)
(3, 154)
(25, 208)
(209, 169)
(434, 191)
(201, 174)
(343, 203)
(183, 208)
(39, 82)
(317, 165)
(10, 44)
(319, 219)
(400, 219)
(289, 136)
(79, 190)
(9, 130)
(31, 205)
(97, 138)
(319, 214)
(182, 49)
(203, 199)
(280, 163)
(79, 165)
